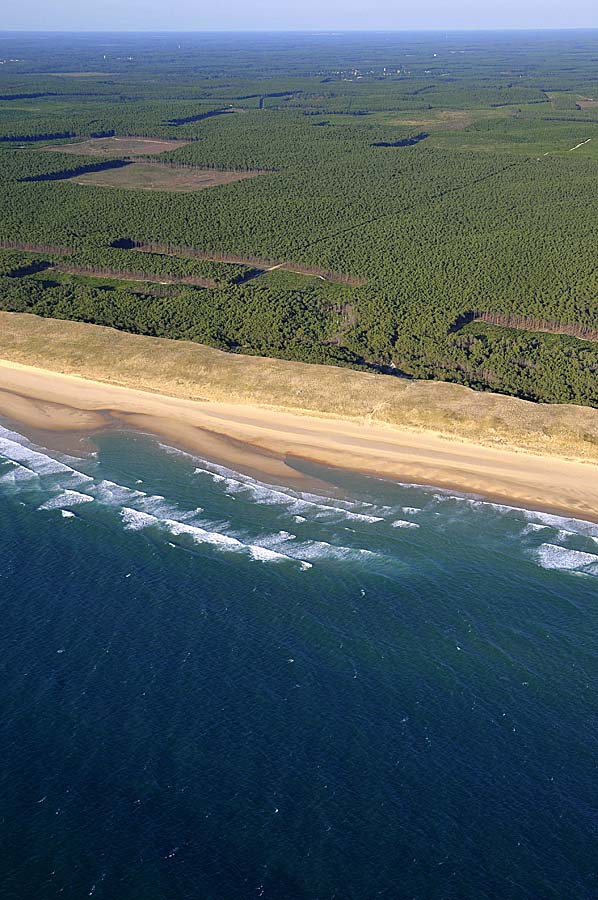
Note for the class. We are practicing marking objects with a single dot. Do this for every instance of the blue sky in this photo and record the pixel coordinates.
(272, 15)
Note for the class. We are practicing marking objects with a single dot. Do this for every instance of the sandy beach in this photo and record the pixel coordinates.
(265, 441)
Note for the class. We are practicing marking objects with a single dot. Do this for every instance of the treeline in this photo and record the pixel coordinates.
(24, 166)
(403, 142)
(296, 325)
(175, 163)
(525, 323)
(74, 170)
(50, 249)
(198, 117)
(156, 263)
(37, 136)
(254, 262)
(31, 96)
(143, 118)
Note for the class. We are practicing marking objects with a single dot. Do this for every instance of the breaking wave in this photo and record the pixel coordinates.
(323, 524)
(553, 556)
(135, 520)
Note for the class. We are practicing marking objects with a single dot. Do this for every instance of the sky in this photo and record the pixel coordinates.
(275, 15)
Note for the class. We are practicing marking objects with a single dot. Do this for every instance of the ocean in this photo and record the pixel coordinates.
(213, 689)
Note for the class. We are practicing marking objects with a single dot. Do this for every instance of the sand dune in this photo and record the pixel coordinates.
(371, 430)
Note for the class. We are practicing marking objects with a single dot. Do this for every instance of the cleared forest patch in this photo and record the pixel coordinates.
(126, 275)
(525, 323)
(158, 177)
(441, 120)
(119, 146)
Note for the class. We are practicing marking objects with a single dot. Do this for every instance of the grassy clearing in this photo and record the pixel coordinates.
(287, 280)
(434, 120)
(118, 146)
(148, 177)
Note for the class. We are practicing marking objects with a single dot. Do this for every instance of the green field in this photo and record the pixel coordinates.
(438, 175)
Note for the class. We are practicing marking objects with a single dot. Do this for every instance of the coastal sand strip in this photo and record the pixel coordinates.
(248, 437)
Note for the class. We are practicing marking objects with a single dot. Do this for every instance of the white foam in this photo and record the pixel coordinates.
(266, 555)
(410, 510)
(135, 520)
(343, 504)
(324, 550)
(275, 541)
(551, 556)
(226, 541)
(157, 505)
(534, 517)
(112, 494)
(361, 517)
(532, 527)
(18, 473)
(477, 503)
(65, 499)
(31, 459)
(403, 523)
(267, 495)
(213, 475)
(564, 535)
(562, 523)
(37, 462)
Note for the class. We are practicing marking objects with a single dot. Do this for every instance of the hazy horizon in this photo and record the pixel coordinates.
(316, 31)
(329, 15)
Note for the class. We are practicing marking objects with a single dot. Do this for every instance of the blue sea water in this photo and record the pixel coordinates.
(214, 689)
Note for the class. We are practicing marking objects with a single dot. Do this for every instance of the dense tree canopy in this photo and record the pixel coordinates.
(492, 209)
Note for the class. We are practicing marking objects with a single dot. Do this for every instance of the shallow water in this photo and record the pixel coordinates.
(216, 689)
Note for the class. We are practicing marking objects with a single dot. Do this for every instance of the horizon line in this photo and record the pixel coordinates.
(322, 31)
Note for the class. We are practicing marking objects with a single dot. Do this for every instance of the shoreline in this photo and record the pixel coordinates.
(263, 441)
